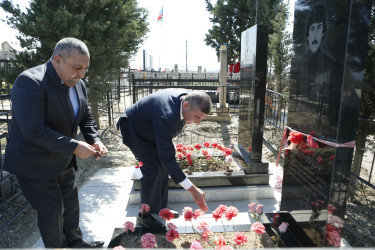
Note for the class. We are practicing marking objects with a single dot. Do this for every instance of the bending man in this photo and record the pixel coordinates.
(148, 128)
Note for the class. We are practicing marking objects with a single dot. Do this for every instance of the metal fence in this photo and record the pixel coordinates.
(275, 118)
(360, 209)
(143, 85)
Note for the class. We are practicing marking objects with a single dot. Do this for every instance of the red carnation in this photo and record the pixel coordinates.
(197, 213)
(205, 235)
(231, 212)
(171, 226)
(139, 164)
(258, 228)
(203, 226)
(180, 156)
(311, 142)
(217, 214)
(206, 144)
(188, 213)
(331, 158)
(129, 226)
(171, 235)
(240, 238)
(166, 214)
(320, 159)
(222, 208)
(197, 146)
(295, 137)
(144, 208)
(220, 242)
(148, 240)
(227, 151)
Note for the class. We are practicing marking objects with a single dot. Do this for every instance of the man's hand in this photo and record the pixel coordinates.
(100, 149)
(199, 197)
(84, 150)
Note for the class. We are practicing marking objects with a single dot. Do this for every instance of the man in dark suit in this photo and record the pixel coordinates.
(48, 104)
(148, 128)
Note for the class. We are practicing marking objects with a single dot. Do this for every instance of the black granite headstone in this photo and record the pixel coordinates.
(254, 44)
(330, 41)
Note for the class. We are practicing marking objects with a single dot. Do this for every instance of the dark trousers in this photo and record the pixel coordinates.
(154, 187)
(154, 183)
(56, 202)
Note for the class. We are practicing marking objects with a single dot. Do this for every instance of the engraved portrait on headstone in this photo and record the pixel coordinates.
(314, 72)
(317, 66)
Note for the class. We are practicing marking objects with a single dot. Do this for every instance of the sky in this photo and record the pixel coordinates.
(181, 34)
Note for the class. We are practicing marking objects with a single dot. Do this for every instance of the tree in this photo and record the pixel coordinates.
(279, 55)
(231, 18)
(112, 30)
(279, 48)
(367, 110)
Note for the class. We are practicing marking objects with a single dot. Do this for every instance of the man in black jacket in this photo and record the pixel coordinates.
(49, 103)
(148, 128)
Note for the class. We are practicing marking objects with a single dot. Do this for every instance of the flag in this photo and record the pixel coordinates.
(160, 16)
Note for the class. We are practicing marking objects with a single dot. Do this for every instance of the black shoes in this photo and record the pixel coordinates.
(147, 220)
(86, 244)
(174, 212)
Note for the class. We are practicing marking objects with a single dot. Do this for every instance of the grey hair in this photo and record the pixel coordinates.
(65, 46)
(199, 99)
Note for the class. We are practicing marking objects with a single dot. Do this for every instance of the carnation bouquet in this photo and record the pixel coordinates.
(205, 158)
(202, 236)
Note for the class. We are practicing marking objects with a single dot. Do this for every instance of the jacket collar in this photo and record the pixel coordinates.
(51, 72)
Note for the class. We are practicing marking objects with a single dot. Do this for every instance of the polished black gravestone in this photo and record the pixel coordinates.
(254, 45)
(294, 236)
(329, 41)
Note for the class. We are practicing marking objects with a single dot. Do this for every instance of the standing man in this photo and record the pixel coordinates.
(49, 102)
(148, 128)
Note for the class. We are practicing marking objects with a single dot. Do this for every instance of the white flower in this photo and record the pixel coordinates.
(228, 159)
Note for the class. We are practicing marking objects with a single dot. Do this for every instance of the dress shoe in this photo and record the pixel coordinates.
(174, 212)
(86, 244)
(147, 220)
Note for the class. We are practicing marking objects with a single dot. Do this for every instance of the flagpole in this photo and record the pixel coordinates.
(160, 18)
(161, 33)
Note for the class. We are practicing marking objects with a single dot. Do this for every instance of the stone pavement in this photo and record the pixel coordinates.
(104, 205)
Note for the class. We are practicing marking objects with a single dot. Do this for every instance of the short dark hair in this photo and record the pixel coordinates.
(199, 99)
(66, 45)
(317, 15)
